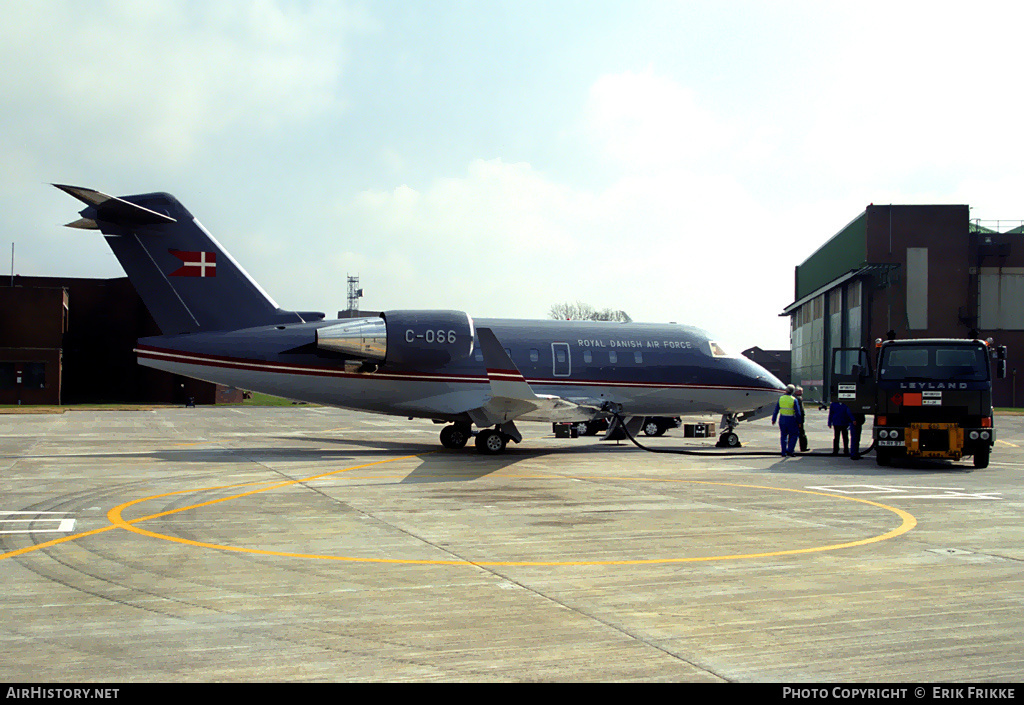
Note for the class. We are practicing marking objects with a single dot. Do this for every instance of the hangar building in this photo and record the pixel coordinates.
(70, 341)
(919, 271)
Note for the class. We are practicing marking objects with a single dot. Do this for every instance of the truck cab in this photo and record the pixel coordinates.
(931, 398)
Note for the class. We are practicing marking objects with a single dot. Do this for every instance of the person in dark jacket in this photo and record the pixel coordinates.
(839, 420)
(800, 417)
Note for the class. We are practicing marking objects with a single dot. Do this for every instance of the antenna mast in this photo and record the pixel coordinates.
(354, 294)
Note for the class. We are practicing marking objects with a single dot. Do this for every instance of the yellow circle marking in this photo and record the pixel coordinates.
(121, 524)
(116, 518)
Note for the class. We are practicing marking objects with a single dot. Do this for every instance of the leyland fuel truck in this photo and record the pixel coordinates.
(931, 398)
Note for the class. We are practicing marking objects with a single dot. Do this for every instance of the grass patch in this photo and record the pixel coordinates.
(257, 399)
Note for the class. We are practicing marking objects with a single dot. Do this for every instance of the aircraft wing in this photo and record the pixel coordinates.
(511, 395)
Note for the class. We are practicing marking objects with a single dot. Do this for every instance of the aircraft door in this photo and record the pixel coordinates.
(562, 365)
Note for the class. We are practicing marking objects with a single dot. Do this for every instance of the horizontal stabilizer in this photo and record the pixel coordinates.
(84, 224)
(111, 209)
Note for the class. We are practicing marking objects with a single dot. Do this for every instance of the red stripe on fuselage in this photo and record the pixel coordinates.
(239, 363)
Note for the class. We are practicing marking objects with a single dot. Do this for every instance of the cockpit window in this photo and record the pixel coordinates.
(717, 350)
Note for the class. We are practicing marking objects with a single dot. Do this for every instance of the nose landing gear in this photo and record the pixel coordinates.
(728, 438)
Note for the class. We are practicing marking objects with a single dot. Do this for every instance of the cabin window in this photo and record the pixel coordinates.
(534, 355)
(638, 357)
(560, 355)
(613, 357)
(587, 357)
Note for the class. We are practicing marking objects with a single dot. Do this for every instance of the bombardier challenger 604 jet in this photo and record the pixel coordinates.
(218, 325)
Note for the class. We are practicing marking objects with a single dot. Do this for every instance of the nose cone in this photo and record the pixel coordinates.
(758, 376)
(767, 388)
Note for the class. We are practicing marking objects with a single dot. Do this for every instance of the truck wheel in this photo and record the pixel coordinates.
(981, 456)
(652, 428)
(883, 457)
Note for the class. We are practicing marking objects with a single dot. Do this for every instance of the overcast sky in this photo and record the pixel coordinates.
(672, 159)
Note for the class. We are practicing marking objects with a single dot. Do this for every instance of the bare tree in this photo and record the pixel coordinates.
(580, 311)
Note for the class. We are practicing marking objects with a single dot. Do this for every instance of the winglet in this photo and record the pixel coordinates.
(511, 395)
(506, 379)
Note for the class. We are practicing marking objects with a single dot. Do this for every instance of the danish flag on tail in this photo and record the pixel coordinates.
(195, 264)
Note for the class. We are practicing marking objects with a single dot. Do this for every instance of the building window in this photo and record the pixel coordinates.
(7, 375)
(853, 315)
(34, 375)
(1000, 304)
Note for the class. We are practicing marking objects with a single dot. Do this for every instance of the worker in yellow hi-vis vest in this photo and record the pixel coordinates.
(786, 410)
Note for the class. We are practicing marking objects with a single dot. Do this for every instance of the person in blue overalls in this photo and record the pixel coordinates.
(839, 420)
(858, 422)
(786, 413)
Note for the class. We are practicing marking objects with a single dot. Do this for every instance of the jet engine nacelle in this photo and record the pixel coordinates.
(415, 338)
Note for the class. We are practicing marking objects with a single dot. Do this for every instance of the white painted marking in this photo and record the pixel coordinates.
(65, 526)
(904, 491)
(951, 551)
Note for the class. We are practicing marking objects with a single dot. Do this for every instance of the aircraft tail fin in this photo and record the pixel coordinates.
(186, 279)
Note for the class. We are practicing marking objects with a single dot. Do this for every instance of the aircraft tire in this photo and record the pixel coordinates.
(730, 440)
(455, 436)
(653, 428)
(490, 442)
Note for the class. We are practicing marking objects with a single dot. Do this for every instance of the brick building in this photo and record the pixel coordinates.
(70, 341)
(919, 271)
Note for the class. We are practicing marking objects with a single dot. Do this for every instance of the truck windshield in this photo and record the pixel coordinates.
(934, 363)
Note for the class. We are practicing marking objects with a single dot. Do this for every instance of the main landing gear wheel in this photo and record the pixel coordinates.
(490, 442)
(455, 436)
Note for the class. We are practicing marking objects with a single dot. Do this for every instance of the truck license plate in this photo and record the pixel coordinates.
(889, 443)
